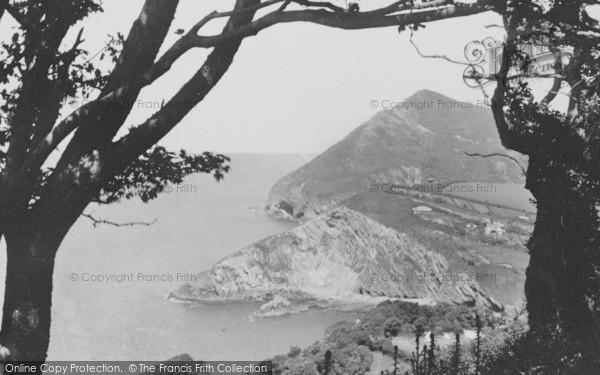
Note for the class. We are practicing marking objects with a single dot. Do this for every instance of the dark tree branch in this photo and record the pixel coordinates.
(143, 42)
(36, 99)
(347, 21)
(50, 109)
(96, 166)
(144, 136)
(3, 6)
(497, 103)
(284, 5)
(409, 5)
(556, 84)
(321, 4)
(253, 8)
(97, 125)
(147, 134)
(97, 222)
(436, 56)
(192, 40)
(16, 15)
(557, 81)
(501, 155)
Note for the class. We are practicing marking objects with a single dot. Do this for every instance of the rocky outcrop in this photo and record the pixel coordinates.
(278, 306)
(341, 255)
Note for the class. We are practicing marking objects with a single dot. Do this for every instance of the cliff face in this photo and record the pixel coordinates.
(340, 255)
(403, 146)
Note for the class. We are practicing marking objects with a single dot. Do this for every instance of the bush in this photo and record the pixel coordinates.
(518, 229)
(392, 328)
(383, 345)
(294, 352)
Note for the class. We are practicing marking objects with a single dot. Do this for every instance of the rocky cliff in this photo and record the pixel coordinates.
(340, 255)
(421, 142)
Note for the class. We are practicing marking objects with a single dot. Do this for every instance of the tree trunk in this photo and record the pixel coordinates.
(28, 293)
(563, 277)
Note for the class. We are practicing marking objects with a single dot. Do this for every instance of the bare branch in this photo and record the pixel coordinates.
(145, 135)
(191, 40)
(284, 5)
(236, 12)
(150, 132)
(436, 56)
(479, 80)
(132, 81)
(553, 92)
(143, 42)
(97, 222)
(365, 20)
(501, 155)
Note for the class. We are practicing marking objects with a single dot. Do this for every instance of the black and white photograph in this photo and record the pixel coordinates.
(299, 187)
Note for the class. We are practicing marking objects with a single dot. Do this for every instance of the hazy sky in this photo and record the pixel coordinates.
(298, 87)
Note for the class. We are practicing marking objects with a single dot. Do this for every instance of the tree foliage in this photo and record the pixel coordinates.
(41, 199)
(152, 172)
(55, 159)
(563, 282)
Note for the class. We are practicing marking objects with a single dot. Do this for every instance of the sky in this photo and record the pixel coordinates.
(296, 88)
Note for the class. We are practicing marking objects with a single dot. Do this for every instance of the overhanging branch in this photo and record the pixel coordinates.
(17, 16)
(373, 19)
(97, 222)
(366, 20)
(501, 155)
(152, 131)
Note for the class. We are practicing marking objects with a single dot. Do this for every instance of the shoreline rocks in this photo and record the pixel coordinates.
(338, 259)
(278, 306)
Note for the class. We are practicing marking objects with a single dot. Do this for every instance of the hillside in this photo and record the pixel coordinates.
(398, 146)
(474, 239)
(363, 346)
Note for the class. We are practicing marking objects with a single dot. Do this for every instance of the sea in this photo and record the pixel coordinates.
(111, 282)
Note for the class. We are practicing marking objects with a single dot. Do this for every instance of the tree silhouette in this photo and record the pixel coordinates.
(563, 279)
(477, 348)
(38, 204)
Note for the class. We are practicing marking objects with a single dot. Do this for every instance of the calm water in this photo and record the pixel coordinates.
(509, 195)
(196, 227)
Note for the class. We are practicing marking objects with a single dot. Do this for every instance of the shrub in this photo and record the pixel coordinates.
(392, 328)
(383, 345)
(294, 352)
